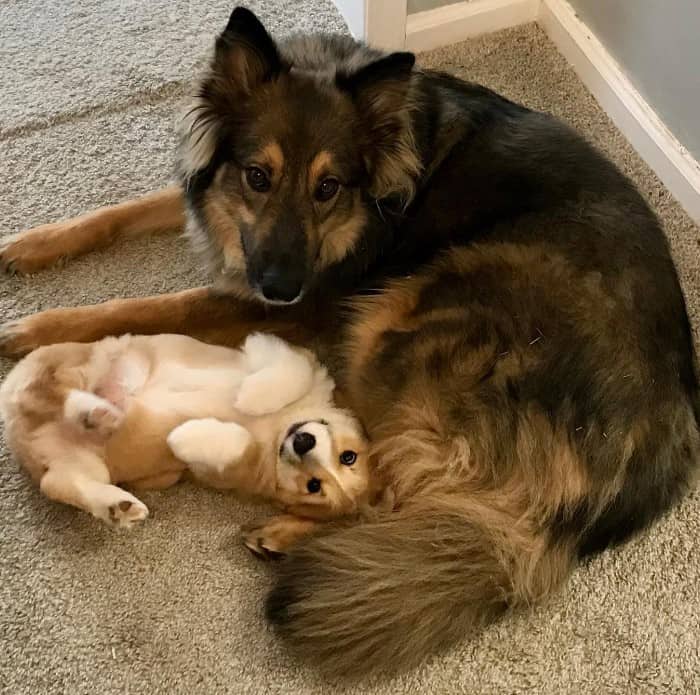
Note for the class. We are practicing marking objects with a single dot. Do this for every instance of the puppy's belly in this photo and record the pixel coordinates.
(172, 395)
(193, 393)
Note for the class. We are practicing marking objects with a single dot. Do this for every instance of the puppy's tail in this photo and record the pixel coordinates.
(380, 597)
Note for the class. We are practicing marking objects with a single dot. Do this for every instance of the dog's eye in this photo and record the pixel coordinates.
(257, 179)
(327, 189)
(347, 458)
(314, 485)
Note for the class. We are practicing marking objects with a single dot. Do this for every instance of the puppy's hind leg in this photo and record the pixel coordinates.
(92, 412)
(82, 480)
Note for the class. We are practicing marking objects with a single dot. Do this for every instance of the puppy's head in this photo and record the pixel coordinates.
(322, 465)
(286, 151)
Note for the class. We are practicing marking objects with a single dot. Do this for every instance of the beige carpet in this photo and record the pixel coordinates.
(85, 119)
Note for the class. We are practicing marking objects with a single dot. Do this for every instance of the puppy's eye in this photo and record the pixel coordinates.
(347, 458)
(314, 485)
(257, 179)
(327, 189)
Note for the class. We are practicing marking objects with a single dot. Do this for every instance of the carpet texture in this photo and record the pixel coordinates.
(90, 91)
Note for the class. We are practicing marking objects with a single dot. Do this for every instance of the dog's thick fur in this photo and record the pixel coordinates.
(500, 302)
(148, 410)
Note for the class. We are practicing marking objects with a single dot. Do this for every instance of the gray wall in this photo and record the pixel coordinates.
(422, 5)
(657, 45)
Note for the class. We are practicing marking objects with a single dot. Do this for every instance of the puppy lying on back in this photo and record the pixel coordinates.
(146, 410)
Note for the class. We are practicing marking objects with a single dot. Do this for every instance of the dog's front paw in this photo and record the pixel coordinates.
(272, 539)
(261, 542)
(21, 336)
(35, 249)
(16, 253)
(15, 339)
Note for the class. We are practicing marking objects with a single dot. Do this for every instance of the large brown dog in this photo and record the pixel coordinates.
(499, 299)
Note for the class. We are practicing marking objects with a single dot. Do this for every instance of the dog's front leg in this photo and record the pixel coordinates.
(274, 537)
(43, 246)
(199, 313)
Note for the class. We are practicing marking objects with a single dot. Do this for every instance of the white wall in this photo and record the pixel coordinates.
(657, 44)
(422, 5)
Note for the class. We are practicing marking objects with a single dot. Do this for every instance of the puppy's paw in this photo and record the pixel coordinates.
(127, 513)
(103, 419)
(92, 412)
(208, 443)
(119, 508)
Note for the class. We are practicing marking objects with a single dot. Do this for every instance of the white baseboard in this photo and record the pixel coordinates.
(462, 20)
(639, 123)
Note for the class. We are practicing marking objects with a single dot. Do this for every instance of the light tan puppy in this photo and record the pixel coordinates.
(146, 410)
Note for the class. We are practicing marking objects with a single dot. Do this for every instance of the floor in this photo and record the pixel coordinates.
(90, 93)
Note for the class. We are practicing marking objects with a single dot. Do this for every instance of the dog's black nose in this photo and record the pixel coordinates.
(279, 285)
(303, 443)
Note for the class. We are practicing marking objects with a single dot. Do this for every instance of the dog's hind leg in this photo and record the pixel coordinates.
(80, 478)
(34, 249)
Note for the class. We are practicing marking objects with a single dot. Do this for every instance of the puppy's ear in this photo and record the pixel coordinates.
(381, 91)
(245, 53)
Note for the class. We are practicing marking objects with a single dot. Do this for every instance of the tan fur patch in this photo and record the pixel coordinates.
(397, 169)
(221, 212)
(320, 165)
(272, 157)
(549, 465)
(339, 239)
(375, 315)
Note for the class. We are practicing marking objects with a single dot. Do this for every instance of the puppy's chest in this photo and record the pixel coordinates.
(195, 392)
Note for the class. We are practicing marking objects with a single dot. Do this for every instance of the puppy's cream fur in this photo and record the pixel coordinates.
(146, 410)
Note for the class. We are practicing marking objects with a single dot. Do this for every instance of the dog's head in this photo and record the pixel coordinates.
(322, 465)
(286, 151)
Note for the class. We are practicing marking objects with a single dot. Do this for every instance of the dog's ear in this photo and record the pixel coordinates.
(381, 91)
(245, 53)
(245, 56)
(381, 85)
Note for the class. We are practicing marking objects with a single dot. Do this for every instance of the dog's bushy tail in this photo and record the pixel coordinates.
(381, 596)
